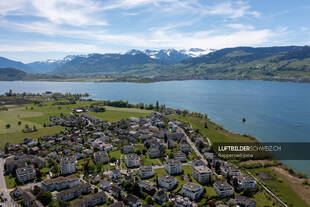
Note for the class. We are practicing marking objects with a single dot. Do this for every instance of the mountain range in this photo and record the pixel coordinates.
(286, 62)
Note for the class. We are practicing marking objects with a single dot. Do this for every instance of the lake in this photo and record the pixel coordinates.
(274, 111)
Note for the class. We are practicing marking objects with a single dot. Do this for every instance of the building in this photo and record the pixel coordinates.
(25, 174)
(74, 192)
(128, 149)
(67, 165)
(154, 153)
(132, 160)
(245, 181)
(167, 182)
(115, 174)
(173, 166)
(192, 190)
(146, 171)
(197, 163)
(161, 197)
(179, 156)
(229, 170)
(60, 183)
(105, 184)
(223, 189)
(202, 174)
(101, 157)
(28, 198)
(133, 201)
(147, 186)
(185, 148)
(92, 200)
(242, 201)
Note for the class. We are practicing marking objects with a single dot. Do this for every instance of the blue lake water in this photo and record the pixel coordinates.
(275, 111)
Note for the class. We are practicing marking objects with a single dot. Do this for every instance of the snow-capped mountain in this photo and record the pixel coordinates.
(196, 52)
(164, 56)
(50, 65)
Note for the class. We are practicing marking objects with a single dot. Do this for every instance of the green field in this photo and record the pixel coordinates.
(35, 115)
(280, 188)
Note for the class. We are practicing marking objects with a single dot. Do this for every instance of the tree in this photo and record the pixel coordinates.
(185, 112)
(149, 200)
(157, 106)
(217, 167)
(45, 198)
(170, 155)
(206, 125)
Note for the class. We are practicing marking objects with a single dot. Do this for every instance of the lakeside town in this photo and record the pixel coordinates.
(149, 160)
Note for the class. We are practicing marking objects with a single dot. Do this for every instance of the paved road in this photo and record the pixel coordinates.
(3, 187)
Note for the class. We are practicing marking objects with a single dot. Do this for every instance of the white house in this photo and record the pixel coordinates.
(202, 174)
(67, 165)
(192, 190)
(173, 166)
(101, 157)
(132, 160)
(223, 189)
(167, 182)
(146, 171)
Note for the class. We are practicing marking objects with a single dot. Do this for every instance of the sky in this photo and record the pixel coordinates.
(33, 30)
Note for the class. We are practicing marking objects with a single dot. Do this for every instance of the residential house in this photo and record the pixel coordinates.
(167, 182)
(28, 198)
(128, 149)
(202, 174)
(161, 197)
(154, 153)
(229, 170)
(133, 201)
(67, 165)
(105, 184)
(179, 156)
(60, 183)
(101, 157)
(146, 171)
(115, 174)
(73, 192)
(242, 201)
(192, 190)
(147, 186)
(92, 200)
(245, 181)
(185, 148)
(223, 189)
(132, 160)
(173, 166)
(25, 174)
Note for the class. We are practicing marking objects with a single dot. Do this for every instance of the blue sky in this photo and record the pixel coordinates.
(33, 30)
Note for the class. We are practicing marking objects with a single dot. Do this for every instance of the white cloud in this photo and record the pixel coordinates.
(49, 47)
(240, 26)
(233, 10)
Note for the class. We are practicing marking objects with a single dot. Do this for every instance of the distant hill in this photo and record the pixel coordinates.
(12, 74)
(9, 74)
(7, 63)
